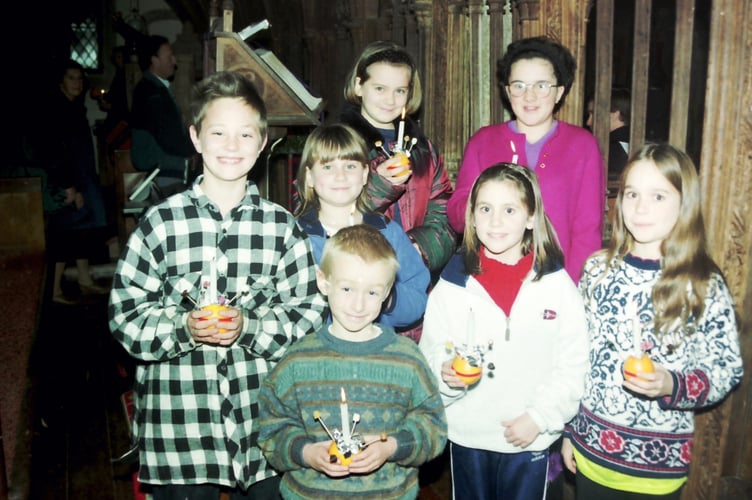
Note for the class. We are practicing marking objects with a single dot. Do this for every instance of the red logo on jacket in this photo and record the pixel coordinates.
(549, 314)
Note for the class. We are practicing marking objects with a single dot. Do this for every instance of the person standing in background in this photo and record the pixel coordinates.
(64, 149)
(158, 133)
(618, 137)
(536, 74)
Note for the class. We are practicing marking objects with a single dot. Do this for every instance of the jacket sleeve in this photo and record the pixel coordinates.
(556, 401)
(411, 286)
(435, 237)
(589, 206)
(468, 172)
(423, 434)
(282, 435)
(296, 309)
(436, 336)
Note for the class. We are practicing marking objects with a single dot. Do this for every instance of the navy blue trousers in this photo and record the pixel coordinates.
(489, 475)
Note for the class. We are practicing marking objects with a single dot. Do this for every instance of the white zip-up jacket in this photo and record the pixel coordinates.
(537, 362)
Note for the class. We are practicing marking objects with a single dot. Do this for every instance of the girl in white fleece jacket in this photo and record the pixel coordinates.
(506, 295)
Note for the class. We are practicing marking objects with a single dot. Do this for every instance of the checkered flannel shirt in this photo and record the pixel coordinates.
(196, 412)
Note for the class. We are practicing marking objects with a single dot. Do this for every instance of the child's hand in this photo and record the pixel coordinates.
(449, 376)
(210, 331)
(521, 431)
(373, 456)
(567, 455)
(653, 385)
(316, 456)
(395, 169)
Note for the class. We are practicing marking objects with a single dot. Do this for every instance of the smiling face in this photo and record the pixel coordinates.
(230, 140)
(650, 207)
(501, 219)
(337, 183)
(533, 112)
(356, 291)
(384, 93)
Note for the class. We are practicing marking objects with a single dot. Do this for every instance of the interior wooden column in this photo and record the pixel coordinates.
(685, 21)
(604, 39)
(497, 47)
(640, 60)
(722, 453)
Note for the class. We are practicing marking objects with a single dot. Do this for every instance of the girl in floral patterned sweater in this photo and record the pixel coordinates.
(657, 289)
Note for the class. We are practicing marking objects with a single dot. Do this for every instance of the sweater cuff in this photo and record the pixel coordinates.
(405, 446)
(296, 451)
(668, 402)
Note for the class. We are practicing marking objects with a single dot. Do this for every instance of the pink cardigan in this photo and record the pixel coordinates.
(572, 180)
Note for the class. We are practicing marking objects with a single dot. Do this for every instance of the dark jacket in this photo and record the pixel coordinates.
(159, 135)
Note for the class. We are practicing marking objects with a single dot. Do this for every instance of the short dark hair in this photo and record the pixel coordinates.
(64, 66)
(542, 47)
(621, 102)
(149, 47)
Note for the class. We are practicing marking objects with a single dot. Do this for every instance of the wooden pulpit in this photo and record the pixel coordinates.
(287, 100)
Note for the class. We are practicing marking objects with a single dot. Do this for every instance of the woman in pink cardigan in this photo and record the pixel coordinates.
(536, 75)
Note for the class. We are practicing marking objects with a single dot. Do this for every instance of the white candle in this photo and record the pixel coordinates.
(400, 132)
(344, 415)
(212, 290)
(470, 331)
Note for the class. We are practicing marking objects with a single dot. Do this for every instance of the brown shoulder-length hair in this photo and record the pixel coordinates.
(390, 53)
(686, 266)
(327, 143)
(541, 239)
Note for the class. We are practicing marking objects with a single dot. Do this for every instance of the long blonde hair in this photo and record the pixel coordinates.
(686, 266)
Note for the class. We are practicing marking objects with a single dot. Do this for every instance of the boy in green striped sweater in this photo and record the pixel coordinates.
(354, 378)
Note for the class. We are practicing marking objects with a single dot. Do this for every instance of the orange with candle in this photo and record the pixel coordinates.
(466, 371)
(637, 361)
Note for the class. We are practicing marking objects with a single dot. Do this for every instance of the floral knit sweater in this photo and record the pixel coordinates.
(629, 433)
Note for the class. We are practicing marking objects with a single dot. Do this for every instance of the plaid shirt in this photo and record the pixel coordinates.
(196, 404)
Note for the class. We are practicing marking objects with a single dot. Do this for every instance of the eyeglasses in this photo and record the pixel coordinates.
(540, 89)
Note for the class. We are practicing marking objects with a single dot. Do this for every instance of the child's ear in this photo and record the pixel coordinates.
(194, 138)
(322, 282)
(308, 180)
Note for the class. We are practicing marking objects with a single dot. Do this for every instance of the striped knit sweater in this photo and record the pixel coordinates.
(387, 382)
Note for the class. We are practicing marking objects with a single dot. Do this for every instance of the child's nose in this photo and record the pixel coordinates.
(359, 302)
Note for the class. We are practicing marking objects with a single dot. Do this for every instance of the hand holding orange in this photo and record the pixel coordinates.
(214, 310)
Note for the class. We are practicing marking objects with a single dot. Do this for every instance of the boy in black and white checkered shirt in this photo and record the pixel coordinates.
(195, 422)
